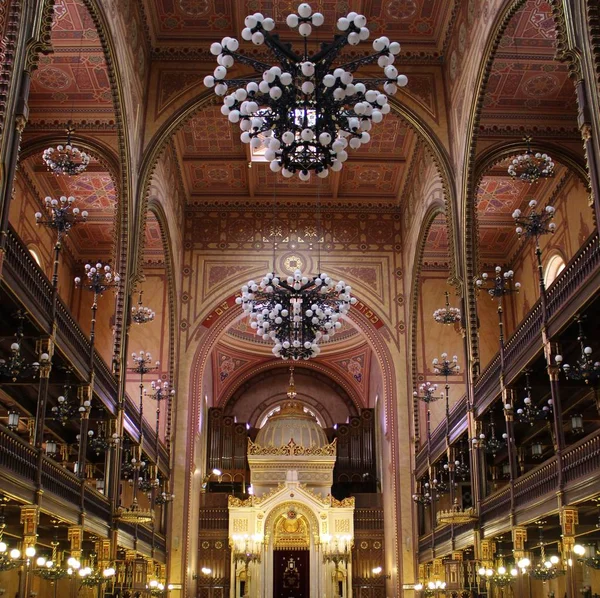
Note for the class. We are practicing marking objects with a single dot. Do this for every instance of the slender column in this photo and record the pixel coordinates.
(508, 399)
(30, 518)
(569, 518)
(519, 537)
(44, 347)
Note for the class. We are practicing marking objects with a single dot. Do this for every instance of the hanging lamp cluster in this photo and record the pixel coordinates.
(308, 112)
(297, 312)
(66, 159)
(531, 167)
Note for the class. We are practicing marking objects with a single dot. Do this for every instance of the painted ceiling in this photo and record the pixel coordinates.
(422, 25)
(527, 87)
(498, 196)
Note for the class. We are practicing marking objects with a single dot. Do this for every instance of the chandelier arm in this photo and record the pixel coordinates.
(284, 54)
(355, 64)
(258, 65)
(330, 51)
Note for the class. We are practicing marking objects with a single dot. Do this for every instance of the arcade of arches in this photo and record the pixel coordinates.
(210, 469)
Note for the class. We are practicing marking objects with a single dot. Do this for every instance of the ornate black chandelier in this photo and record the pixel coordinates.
(308, 111)
(530, 167)
(530, 412)
(447, 314)
(66, 159)
(585, 368)
(296, 313)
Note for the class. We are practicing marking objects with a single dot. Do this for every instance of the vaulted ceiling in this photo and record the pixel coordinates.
(528, 90)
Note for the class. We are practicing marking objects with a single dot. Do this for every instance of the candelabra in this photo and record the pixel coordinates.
(446, 368)
(62, 217)
(461, 468)
(530, 412)
(9, 559)
(247, 549)
(156, 588)
(64, 409)
(426, 393)
(500, 577)
(530, 167)
(101, 441)
(533, 226)
(142, 366)
(496, 288)
(66, 159)
(336, 549)
(431, 589)
(141, 314)
(161, 391)
(17, 366)
(425, 494)
(585, 367)
(447, 315)
(51, 569)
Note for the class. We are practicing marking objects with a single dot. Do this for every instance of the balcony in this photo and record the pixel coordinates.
(572, 289)
(535, 494)
(24, 280)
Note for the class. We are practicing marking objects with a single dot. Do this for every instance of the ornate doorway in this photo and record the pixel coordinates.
(291, 573)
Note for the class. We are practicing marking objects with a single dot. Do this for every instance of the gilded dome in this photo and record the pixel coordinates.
(291, 423)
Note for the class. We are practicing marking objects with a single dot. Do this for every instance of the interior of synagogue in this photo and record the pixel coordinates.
(300, 299)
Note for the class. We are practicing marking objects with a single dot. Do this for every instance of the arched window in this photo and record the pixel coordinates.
(35, 256)
(553, 268)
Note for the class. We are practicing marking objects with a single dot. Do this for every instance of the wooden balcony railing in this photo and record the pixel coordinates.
(17, 456)
(25, 276)
(582, 459)
(497, 505)
(527, 337)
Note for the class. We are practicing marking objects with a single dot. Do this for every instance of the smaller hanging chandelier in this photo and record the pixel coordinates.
(62, 215)
(587, 555)
(493, 444)
(65, 409)
(585, 368)
(546, 568)
(530, 167)
(297, 312)
(66, 159)
(141, 314)
(17, 366)
(447, 315)
(530, 412)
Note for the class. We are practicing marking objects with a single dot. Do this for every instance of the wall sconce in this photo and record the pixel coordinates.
(577, 424)
(51, 448)
(13, 420)
(537, 451)
(214, 472)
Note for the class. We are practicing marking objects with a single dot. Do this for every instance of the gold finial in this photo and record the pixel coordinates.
(291, 393)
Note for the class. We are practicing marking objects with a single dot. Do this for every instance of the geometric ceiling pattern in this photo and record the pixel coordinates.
(72, 85)
(421, 25)
(94, 191)
(216, 163)
(527, 87)
(72, 82)
(498, 196)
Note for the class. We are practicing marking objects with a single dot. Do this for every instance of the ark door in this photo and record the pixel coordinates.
(291, 573)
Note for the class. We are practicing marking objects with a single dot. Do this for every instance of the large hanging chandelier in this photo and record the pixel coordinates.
(66, 159)
(308, 111)
(297, 312)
